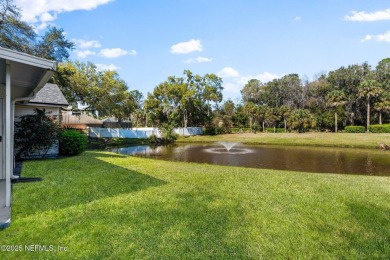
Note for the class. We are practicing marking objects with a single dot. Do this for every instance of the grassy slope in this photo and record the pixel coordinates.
(366, 140)
(107, 205)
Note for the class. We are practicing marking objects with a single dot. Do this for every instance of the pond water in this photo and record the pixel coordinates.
(305, 159)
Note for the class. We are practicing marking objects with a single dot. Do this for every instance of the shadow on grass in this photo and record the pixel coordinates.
(373, 223)
(192, 224)
(73, 181)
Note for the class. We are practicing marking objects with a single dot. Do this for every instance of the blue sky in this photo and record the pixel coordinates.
(148, 40)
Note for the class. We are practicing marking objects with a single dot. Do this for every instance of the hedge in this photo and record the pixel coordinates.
(72, 142)
(271, 130)
(355, 129)
(379, 128)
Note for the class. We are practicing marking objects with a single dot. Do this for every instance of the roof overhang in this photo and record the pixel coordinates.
(28, 73)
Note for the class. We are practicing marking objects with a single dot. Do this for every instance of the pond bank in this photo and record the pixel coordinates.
(344, 140)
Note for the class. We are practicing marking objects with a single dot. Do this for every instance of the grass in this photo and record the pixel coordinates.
(364, 140)
(104, 205)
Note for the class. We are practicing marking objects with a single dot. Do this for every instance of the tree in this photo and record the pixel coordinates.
(53, 45)
(335, 99)
(14, 33)
(184, 100)
(367, 90)
(104, 93)
(301, 120)
(211, 86)
(382, 105)
(284, 112)
(20, 36)
(348, 80)
(251, 110)
(35, 134)
(252, 91)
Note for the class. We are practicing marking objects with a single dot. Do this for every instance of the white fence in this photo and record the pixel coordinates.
(139, 132)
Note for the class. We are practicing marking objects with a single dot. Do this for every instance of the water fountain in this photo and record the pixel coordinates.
(228, 148)
(228, 145)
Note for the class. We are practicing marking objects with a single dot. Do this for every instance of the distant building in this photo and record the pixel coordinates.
(79, 120)
(112, 122)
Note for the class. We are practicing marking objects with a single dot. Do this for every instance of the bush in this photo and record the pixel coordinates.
(35, 134)
(153, 139)
(72, 142)
(167, 136)
(379, 128)
(355, 129)
(236, 130)
(210, 130)
(301, 120)
(271, 130)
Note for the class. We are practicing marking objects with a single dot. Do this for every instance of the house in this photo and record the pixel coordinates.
(50, 99)
(112, 122)
(79, 121)
(21, 77)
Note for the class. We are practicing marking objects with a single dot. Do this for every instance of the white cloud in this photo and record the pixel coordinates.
(187, 47)
(102, 67)
(115, 52)
(84, 54)
(44, 11)
(368, 17)
(297, 18)
(233, 82)
(83, 44)
(198, 60)
(263, 77)
(47, 17)
(228, 72)
(385, 37)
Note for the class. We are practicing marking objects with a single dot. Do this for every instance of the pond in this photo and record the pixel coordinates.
(304, 159)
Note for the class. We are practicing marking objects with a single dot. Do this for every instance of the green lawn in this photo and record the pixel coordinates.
(366, 140)
(104, 205)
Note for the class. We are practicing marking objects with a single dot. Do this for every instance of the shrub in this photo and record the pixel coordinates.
(72, 142)
(379, 128)
(271, 130)
(255, 128)
(210, 130)
(301, 120)
(35, 134)
(355, 129)
(153, 139)
(168, 136)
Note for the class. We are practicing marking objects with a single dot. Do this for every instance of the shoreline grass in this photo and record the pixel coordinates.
(344, 140)
(105, 205)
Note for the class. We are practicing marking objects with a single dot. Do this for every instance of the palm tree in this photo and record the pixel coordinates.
(368, 89)
(285, 113)
(335, 99)
(382, 105)
(251, 110)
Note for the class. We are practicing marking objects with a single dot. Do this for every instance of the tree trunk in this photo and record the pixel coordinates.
(263, 127)
(185, 119)
(335, 122)
(380, 117)
(368, 115)
(285, 125)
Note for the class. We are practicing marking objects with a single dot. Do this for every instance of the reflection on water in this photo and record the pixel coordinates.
(306, 159)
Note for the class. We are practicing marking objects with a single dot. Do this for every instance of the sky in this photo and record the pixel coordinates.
(146, 41)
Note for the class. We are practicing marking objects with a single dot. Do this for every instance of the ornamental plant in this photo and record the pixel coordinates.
(72, 142)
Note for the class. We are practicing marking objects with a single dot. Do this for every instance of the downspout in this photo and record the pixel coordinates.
(12, 125)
